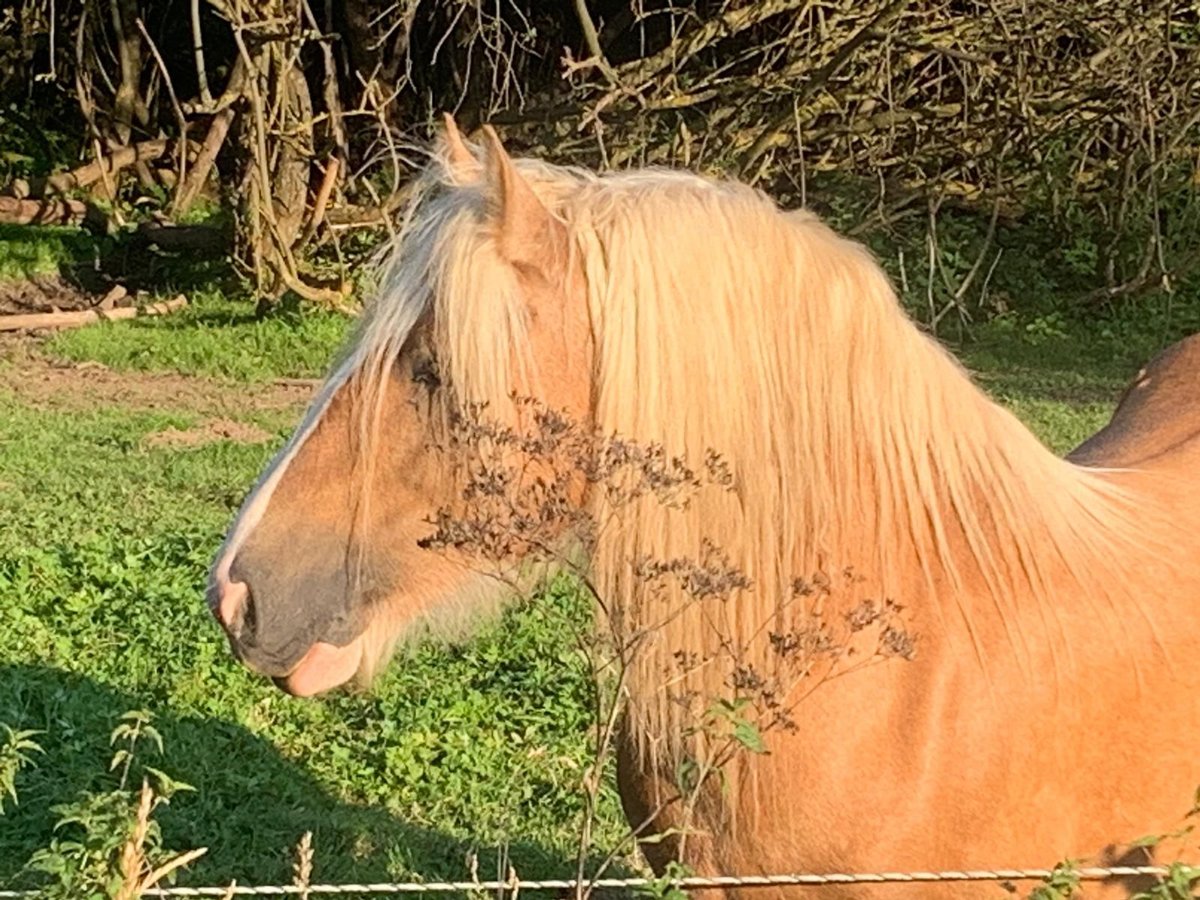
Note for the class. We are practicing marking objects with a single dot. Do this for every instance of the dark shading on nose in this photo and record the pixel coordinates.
(275, 602)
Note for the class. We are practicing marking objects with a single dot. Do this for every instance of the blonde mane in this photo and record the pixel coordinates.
(723, 323)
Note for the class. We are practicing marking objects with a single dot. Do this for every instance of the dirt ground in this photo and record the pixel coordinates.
(47, 293)
(40, 382)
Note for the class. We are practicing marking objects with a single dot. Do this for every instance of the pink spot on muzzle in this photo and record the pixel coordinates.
(227, 600)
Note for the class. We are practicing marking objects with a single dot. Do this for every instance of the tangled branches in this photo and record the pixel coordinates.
(1089, 112)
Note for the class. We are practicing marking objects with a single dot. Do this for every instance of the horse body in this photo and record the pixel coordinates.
(948, 772)
(1070, 746)
(1050, 711)
(1157, 414)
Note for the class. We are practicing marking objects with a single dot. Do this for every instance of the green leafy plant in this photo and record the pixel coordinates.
(107, 845)
(1040, 329)
(1061, 884)
(666, 886)
(1177, 884)
(16, 754)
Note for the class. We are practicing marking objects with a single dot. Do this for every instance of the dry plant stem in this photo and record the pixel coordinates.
(320, 202)
(780, 129)
(520, 500)
(180, 118)
(958, 293)
(303, 866)
(329, 88)
(131, 854)
(681, 49)
(198, 52)
(176, 862)
(608, 721)
(592, 39)
(108, 184)
(83, 86)
(133, 858)
(218, 130)
(190, 188)
(106, 165)
(77, 318)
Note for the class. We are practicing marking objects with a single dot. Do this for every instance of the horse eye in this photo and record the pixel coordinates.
(425, 373)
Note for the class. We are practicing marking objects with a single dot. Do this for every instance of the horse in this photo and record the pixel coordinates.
(1047, 703)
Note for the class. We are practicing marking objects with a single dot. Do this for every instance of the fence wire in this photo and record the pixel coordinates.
(515, 886)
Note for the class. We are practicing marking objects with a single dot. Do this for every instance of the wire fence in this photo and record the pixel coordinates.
(515, 886)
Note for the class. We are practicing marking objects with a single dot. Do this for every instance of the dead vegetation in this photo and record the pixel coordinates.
(307, 114)
(523, 504)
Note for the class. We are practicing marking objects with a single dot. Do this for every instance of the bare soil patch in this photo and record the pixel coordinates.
(208, 432)
(49, 384)
(47, 293)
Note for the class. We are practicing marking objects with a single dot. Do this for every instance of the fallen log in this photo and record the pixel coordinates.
(106, 166)
(51, 212)
(79, 317)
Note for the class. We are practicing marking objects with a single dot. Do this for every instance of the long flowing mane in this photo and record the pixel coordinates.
(721, 322)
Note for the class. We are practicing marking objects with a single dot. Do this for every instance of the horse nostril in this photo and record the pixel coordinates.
(234, 607)
(249, 618)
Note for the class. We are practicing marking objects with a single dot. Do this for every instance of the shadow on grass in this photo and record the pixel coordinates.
(250, 807)
(1073, 370)
(94, 262)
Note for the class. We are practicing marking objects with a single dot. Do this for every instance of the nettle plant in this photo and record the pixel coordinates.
(16, 754)
(525, 511)
(107, 843)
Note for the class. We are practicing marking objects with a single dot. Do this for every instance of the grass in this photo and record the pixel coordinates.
(213, 336)
(46, 250)
(102, 563)
(103, 555)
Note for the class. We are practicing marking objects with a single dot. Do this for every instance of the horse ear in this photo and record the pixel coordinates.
(461, 164)
(527, 232)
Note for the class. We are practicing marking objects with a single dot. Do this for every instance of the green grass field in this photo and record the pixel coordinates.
(107, 526)
(107, 535)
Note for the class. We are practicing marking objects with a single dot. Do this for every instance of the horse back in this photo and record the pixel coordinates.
(1157, 418)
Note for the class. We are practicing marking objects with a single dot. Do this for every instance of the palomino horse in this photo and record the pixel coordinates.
(1052, 709)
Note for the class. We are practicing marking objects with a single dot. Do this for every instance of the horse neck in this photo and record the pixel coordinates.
(963, 493)
(861, 453)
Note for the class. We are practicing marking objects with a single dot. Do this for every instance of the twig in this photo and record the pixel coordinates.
(198, 51)
(957, 293)
(303, 866)
(333, 100)
(819, 79)
(730, 23)
(592, 39)
(181, 119)
(106, 180)
(218, 129)
(320, 202)
(362, 217)
(77, 318)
